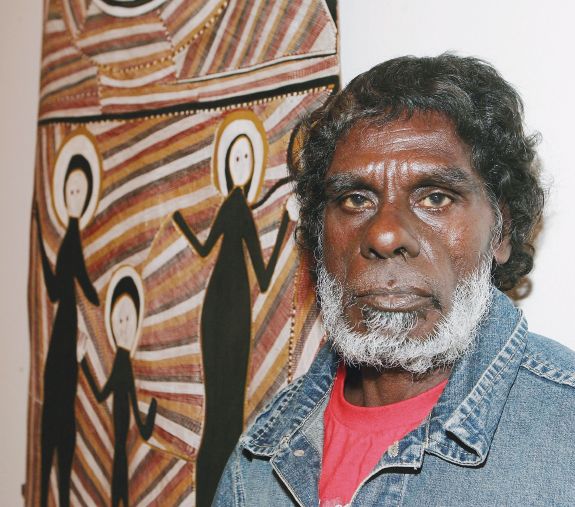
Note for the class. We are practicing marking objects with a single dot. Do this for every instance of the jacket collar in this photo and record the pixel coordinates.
(466, 416)
(460, 427)
(304, 400)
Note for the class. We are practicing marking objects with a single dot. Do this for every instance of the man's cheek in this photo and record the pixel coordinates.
(335, 264)
(445, 256)
(338, 249)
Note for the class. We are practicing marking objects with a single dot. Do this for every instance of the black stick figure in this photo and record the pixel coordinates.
(120, 383)
(58, 430)
(226, 316)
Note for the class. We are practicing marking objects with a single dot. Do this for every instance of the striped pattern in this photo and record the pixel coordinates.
(230, 87)
(308, 333)
(252, 33)
(39, 321)
(168, 362)
(151, 168)
(68, 79)
(184, 19)
(200, 60)
(272, 324)
(117, 43)
(184, 52)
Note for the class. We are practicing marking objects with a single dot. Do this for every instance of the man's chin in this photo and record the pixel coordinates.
(407, 349)
(404, 350)
(396, 339)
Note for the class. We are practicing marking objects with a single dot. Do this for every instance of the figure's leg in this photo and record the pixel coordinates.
(206, 468)
(115, 499)
(125, 498)
(226, 337)
(47, 446)
(119, 496)
(66, 449)
(120, 473)
(115, 496)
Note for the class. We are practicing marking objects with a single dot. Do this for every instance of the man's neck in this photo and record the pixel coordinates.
(370, 387)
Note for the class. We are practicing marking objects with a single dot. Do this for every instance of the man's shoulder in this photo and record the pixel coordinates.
(291, 406)
(274, 409)
(550, 360)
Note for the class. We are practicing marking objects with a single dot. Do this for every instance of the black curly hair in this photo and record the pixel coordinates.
(487, 113)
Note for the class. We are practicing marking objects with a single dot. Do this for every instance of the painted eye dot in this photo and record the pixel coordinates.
(246, 155)
(237, 159)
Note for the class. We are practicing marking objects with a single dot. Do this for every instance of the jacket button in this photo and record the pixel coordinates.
(393, 449)
(299, 452)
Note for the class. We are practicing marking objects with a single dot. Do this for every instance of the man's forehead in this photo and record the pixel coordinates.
(428, 128)
(449, 176)
(428, 141)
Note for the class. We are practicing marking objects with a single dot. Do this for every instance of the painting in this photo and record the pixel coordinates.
(168, 301)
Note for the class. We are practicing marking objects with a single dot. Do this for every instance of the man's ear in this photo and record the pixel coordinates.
(503, 250)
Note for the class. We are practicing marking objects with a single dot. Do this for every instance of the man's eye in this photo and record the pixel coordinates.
(436, 200)
(356, 201)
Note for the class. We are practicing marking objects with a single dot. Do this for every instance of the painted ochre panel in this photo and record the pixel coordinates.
(175, 305)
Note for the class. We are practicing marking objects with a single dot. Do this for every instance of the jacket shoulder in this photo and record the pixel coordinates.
(549, 359)
(287, 411)
(273, 409)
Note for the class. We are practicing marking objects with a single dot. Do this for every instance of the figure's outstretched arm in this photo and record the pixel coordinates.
(99, 395)
(264, 273)
(84, 279)
(206, 248)
(86, 284)
(49, 277)
(146, 429)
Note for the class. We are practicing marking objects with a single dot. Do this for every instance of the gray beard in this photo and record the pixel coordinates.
(387, 341)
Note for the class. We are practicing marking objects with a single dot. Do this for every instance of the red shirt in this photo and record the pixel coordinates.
(356, 438)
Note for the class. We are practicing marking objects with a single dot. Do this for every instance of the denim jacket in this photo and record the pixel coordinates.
(502, 433)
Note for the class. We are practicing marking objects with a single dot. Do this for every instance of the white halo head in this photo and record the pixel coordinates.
(80, 145)
(240, 131)
(124, 309)
(129, 9)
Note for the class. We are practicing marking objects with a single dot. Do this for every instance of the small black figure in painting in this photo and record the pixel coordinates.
(58, 431)
(124, 323)
(226, 315)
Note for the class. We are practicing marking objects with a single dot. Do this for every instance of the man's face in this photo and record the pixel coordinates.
(406, 219)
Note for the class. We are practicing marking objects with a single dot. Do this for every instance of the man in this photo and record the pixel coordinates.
(418, 199)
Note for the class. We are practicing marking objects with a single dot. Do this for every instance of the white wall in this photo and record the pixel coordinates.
(530, 42)
(20, 43)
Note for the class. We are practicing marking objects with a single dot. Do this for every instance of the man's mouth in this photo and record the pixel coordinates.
(397, 300)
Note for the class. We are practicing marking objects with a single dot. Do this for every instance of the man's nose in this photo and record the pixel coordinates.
(389, 234)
